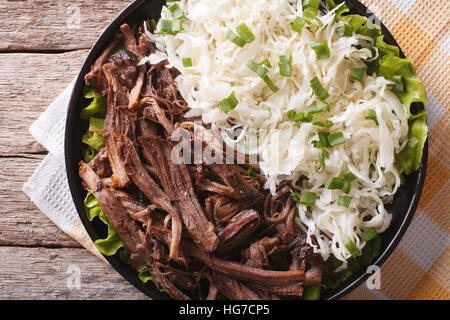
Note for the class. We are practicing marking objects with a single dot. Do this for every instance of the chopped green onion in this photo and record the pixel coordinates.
(399, 83)
(266, 62)
(308, 198)
(258, 68)
(358, 74)
(176, 26)
(295, 197)
(298, 24)
(318, 107)
(371, 114)
(323, 140)
(351, 247)
(187, 62)
(261, 70)
(270, 84)
(336, 139)
(252, 174)
(327, 124)
(323, 155)
(176, 12)
(344, 201)
(291, 114)
(310, 9)
(300, 117)
(312, 293)
(169, 26)
(285, 65)
(340, 184)
(230, 35)
(318, 89)
(347, 186)
(369, 234)
(244, 32)
(321, 49)
(349, 176)
(336, 184)
(229, 103)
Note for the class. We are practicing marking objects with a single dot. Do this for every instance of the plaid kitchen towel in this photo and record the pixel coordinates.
(419, 267)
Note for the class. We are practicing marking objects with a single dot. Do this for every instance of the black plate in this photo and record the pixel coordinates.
(402, 209)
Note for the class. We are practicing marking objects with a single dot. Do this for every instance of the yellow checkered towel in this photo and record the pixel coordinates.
(419, 267)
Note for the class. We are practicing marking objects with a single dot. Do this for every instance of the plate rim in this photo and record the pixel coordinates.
(74, 181)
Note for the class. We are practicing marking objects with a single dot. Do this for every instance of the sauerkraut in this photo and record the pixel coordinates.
(285, 148)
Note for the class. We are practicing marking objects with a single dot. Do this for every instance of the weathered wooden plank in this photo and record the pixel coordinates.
(21, 223)
(54, 25)
(43, 273)
(28, 84)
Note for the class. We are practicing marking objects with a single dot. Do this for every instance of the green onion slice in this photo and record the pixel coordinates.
(323, 155)
(230, 35)
(310, 9)
(187, 62)
(176, 11)
(244, 32)
(340, 184)
(371, 114)
(336, 139)
(295, 197)
(318, 89)
(321, 49)
(369, 234)
(260, 69)
(266, 62)
(229, 103)
(171, 27)
(270, 84)
(351, 247)
(317, 108)
(308, 198)
(349, 176)
(358, 74)
(285, 65)
(298, 24)
(344, 201)
(327, 124)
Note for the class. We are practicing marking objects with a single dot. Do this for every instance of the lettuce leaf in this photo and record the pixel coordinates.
(97, 108)
(409, 159)
(94, 139)
(391, 66)
(112, 243)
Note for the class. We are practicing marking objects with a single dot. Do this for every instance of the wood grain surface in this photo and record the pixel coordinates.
(42, 46)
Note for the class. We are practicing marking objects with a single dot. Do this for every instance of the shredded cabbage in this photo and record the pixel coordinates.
(284, 147)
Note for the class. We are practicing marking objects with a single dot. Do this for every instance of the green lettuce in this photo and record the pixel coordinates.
(94, 136)
(97, 107)
(409, 159)
(391, 66)
(112, 243)
(95, 112)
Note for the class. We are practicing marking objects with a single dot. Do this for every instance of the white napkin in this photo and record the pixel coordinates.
(48, 187)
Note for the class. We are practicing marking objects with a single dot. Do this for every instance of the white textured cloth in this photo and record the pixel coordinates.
(48, 187)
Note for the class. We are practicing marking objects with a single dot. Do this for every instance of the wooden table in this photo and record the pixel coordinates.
(42, 46)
